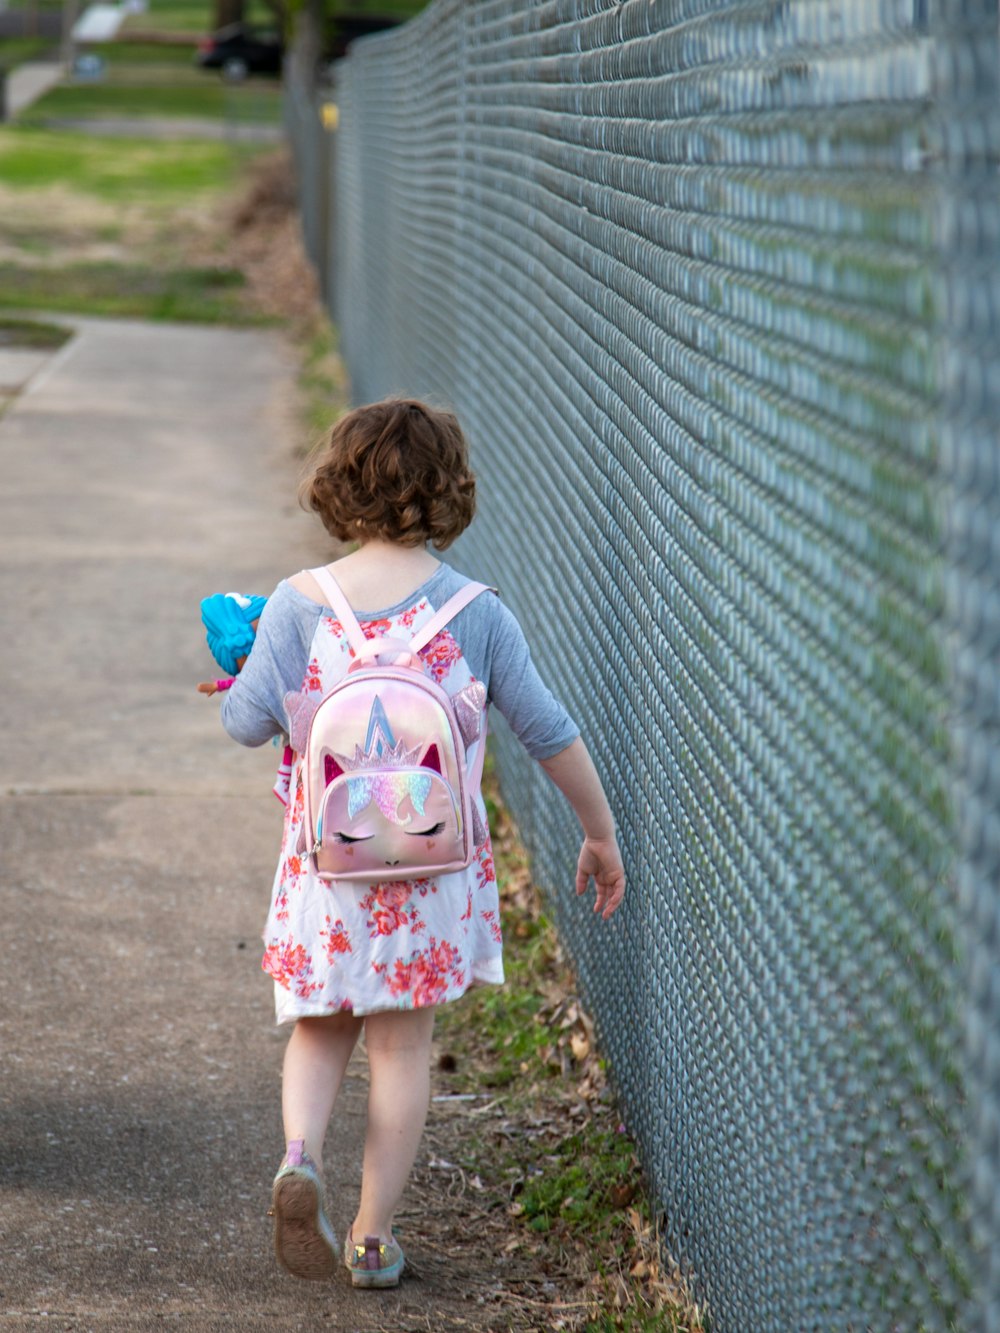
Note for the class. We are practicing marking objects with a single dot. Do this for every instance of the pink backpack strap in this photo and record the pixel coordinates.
(339, 604)
(448, 612)
(479, 763)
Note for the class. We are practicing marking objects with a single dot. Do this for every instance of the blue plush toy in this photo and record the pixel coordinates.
(230, 621)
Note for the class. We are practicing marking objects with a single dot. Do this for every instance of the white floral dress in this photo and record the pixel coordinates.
(345, 947)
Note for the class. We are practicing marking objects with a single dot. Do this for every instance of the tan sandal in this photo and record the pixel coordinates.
(377, 1263)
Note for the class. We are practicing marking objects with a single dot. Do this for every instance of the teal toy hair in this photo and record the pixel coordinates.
(229, 625)
(230, 620)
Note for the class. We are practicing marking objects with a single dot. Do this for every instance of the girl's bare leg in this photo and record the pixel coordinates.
(315, 1059)
(399, 1058)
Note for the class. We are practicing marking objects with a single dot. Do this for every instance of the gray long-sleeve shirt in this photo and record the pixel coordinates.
(487, 633)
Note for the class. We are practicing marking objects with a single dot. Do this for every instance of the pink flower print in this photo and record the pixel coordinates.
(389, 907)
(386, 920)
(314, 677)
(281, 908)
(290, 966)
(441, 654)
(425, 976)
(410, 614)
(485, 869)
(337, 939)
(336, 630)
(291, 874)
(467, 914)
(392, 893)
(493, 922)
(375, 629)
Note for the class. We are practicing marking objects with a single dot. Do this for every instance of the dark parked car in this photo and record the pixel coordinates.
(239, 50)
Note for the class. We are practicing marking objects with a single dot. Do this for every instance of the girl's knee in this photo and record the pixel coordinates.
(400, 1030)
(329, 1026)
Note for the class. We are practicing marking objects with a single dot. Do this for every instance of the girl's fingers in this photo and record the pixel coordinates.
(609, 896)
(609, 884)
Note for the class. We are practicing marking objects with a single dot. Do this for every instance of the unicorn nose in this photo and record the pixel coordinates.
(392, 863)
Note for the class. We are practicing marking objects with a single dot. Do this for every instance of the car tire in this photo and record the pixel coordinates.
(235, 69)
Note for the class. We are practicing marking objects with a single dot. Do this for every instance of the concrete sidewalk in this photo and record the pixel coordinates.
(142, 468)
(28, 82)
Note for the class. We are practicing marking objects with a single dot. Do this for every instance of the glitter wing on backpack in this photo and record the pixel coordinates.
(389, 790)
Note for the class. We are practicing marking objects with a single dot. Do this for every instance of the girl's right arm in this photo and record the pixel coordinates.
(253, 709)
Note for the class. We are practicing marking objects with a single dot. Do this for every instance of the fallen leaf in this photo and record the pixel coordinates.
(580, 1047)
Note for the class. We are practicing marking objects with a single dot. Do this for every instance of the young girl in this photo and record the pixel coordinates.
(393, 477)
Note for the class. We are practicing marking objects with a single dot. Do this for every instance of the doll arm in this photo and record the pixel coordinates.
(211, 687)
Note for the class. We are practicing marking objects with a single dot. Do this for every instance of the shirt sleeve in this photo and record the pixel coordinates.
(537, 718)
(253, 708)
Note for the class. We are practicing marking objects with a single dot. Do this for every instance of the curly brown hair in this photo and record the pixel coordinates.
(396, 470)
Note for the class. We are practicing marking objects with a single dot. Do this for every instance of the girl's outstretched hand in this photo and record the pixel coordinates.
(600, 858)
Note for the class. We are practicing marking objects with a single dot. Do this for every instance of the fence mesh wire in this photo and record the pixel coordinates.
(713, 287)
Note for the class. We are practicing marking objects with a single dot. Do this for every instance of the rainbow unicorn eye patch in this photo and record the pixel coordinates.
(389, 791)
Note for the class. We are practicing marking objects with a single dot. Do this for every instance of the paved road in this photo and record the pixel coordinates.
(141, 468)
(33, 22)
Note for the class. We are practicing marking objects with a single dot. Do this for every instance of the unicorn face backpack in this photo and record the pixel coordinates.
(389, 794)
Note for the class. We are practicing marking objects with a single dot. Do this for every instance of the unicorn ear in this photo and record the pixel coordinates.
(431, 759)
(331, 768)
(299, 709)
(469, 705)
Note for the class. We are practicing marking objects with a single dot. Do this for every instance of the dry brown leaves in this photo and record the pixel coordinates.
(265, 242)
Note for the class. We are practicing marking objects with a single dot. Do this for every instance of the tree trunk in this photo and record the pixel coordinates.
(226, 12)
(277, 8)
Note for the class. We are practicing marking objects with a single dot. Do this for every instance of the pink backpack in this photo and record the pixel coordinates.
(389, 794)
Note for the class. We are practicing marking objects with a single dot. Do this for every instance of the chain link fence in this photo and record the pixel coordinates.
(713, 286)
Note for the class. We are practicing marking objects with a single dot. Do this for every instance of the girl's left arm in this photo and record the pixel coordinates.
(573, 772)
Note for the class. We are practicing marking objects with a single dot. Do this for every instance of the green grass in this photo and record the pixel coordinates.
(33, 333)
(17, 50)
(116, 170)
(50, 177)
(322, 382)
(401, 9)
(159, 91)
(189, 16)
(576, 1188)
(198, 294)
(632, 1321)
(195, 17)
(173, 16)
(144, 53)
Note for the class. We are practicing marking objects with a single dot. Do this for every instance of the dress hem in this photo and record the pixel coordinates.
(487, 973)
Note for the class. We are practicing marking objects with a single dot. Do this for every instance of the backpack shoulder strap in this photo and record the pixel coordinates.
(448, 612)
(336, 600)
(339, 604)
